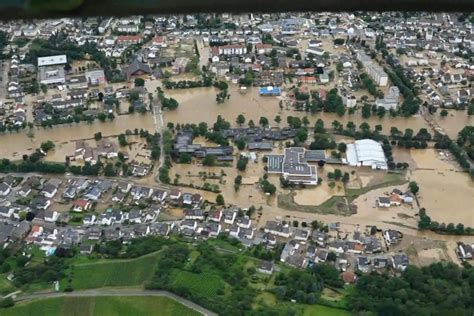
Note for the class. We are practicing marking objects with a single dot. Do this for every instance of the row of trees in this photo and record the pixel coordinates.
(425, 223)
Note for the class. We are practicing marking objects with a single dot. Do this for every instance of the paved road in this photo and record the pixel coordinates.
(118, 292)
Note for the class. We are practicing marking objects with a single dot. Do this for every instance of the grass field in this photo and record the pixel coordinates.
(100, 306)
(5, 285)
(206, 284)
(116, 273)
(311, 310)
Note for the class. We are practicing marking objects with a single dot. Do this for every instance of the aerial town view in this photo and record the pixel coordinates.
(237, 164)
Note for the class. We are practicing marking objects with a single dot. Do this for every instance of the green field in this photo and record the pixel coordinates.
(206, 284)
(100, 306)
(312, 310)
(133, 272)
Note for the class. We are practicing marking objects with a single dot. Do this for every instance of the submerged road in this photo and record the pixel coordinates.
(117, 292)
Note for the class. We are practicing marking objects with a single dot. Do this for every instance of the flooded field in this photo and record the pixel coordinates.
(199, 105)
(15, 144)
(445, 192)
(454, 122)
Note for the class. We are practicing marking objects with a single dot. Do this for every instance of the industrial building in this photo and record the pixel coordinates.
(366, 153)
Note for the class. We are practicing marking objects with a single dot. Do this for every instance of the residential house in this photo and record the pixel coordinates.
(124, 187)
(363, 264)
(319, 237)
(383, 201)
(277, 228)
(265, 267)
(301, 234)
(244, 222)
(51, 216)
(6, 211)
(4, 189)
(234, 231)
(86, 249)
(400, 262)
(194, 214)
(392, 236)
(81, 205)
(89, 219)
(229, 216)
(189, 224)
(159, 195)
(465, 251)
(175, 195)
(215, 216)
(41, 203)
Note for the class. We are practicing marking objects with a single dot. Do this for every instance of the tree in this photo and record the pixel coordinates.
(240, 120)
(381, 111)
(242, 163)
(345, 177)
(268, 187)
(102, 116)
(47, 146)
(238, 180)
(240, 143)
(109, 170)
(7, 302)
(139, 82)
(122, 140)
(251, 124)
(209, 160)
(342, 147)
(185, 158)
(305, 121)
(263, 121)
(319, 126)
(220, 199)
(366, 110)
(443, 113)
(414, 187)
(277, 119)
(98, 136)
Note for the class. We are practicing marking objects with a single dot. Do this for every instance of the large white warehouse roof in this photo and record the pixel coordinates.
(366, 152)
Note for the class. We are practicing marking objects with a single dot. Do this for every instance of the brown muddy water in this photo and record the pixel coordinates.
(14, 145)
(199, 105)
(445, 192)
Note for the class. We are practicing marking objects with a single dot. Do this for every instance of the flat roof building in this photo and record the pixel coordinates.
(51, 69)
(366, 152)
(293, 166)
(52, 60)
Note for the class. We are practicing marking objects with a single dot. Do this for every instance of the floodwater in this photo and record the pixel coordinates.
(199, 105)
(15, 144)
(445, 192)
(316, 195)
(454, 122)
